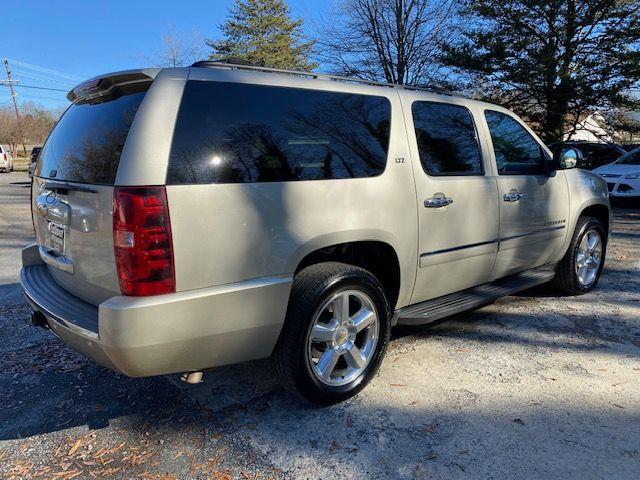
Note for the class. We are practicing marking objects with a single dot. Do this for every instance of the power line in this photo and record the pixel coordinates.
(5, 93)
(41, 88)
(41, 78)
(48, 71)
(28, 96)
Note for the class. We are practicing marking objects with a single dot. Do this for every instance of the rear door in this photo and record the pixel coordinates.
(72, 195)
(534, 205)
(457, 199)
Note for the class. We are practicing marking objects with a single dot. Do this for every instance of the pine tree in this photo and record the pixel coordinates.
(552, 61)
(262, 32)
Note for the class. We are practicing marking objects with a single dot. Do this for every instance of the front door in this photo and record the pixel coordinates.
(457, 199)
(534, 205)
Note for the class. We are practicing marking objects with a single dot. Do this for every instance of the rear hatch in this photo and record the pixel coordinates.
(73, 188)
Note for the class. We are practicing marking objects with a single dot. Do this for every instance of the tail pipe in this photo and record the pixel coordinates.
(39, 320)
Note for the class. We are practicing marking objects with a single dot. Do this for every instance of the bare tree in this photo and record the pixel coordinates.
(398, 41)
(178, 49)
(33, 128)
(37, 122)
(10, 128)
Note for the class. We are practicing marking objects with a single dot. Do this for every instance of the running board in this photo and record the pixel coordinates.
(441, 307)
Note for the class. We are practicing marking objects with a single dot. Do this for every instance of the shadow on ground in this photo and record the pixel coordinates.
(532, 386)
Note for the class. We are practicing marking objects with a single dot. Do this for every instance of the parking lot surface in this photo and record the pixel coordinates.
(533, 386)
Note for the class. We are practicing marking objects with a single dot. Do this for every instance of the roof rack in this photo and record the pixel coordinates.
(238, 64)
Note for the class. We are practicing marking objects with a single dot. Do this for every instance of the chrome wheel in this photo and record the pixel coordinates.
(343, 338)
(588, 258)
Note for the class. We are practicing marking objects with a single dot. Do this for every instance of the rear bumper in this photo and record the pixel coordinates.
(185, 331)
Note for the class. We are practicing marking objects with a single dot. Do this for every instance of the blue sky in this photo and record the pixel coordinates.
(55, 44)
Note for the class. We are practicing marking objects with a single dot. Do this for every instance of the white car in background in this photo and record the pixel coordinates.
(6, 160)
(623, 175)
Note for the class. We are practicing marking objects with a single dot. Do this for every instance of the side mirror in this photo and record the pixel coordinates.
(568, 158)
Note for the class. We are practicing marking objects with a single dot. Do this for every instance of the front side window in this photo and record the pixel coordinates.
(516, 151)
(447, 141)
(240, 133)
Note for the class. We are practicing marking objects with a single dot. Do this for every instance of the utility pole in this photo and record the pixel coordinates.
(15, 102)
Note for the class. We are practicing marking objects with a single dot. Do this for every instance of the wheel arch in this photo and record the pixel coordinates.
(597, 209)
(600, 211)
(377, 256)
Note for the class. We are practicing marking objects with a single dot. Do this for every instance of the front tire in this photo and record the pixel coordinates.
(579, 270)
(335, 334)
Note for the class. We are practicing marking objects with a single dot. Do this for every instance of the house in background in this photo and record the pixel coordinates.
(591, 129)
(623, 128)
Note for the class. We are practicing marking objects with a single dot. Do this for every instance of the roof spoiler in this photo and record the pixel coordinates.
(100, 85)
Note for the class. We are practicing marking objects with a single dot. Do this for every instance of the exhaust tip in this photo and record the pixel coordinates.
(192, 377)
(39, 320)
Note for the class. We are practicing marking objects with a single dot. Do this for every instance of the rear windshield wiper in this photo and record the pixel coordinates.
(64, 188)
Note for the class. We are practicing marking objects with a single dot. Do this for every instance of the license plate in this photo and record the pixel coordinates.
(55, 237)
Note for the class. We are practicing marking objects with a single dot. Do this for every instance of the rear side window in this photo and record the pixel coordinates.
(238, 133)
(447, 140)
(86, 144)
(516, 151)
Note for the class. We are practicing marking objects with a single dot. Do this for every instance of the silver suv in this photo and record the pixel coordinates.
(195, 217)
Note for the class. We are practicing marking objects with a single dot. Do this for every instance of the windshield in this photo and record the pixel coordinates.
(631, 158)
(86, 144)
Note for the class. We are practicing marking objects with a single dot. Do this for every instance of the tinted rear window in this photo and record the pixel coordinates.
(86, 144)
(238, 133)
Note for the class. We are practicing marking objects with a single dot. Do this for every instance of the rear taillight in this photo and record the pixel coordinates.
(142, 241)
(5, 156)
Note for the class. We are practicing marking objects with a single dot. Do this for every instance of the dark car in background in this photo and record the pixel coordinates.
(630, 146)
(35, 151)
(593, 154)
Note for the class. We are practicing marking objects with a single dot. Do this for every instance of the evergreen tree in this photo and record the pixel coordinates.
(552, 61)
(262, 32)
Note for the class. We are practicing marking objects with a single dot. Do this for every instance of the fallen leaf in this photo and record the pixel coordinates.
(75, 447)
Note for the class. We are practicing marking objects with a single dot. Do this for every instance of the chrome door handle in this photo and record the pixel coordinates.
(513, 196)
(438, 202)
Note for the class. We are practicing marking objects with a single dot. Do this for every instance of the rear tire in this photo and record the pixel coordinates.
(324, 355)
(579, 270)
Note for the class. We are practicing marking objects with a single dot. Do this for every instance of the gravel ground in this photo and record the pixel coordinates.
(532, 386)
